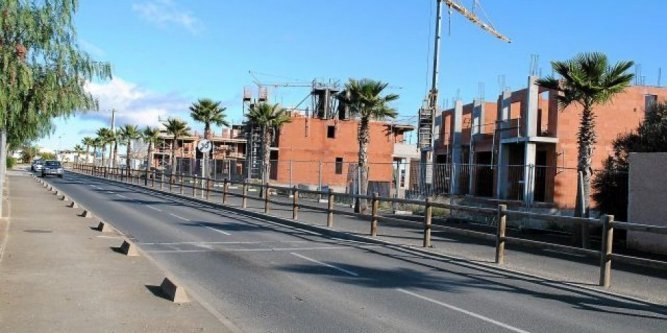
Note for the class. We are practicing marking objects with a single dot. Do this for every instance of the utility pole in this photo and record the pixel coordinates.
(428, 112)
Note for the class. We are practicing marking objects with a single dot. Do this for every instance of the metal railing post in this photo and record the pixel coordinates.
(374, 213)
(428, 214)
(295, 203)
(244, 201)
(500, 234)
(152, 178)
(194, 186)
(606, 243)
(330, 213)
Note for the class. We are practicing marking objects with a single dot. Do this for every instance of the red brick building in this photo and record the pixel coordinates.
(525, 148)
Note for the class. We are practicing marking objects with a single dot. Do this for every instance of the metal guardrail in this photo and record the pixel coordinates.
(205, 186)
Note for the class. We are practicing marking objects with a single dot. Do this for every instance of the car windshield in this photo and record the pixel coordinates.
(54, 164)
(39, 162)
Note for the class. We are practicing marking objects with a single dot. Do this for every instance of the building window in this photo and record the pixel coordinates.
(339, 165)
(331, 132)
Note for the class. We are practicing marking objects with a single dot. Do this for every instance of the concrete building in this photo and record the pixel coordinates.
(524, 147)
(227, 156)
(315, 152)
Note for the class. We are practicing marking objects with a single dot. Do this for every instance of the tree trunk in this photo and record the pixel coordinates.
(173, 160)
(586, 141)
(362, 204)
(87, 153)
(266, 159)
(127, 156)
(115, 154)
(3, 168)
(104, 151)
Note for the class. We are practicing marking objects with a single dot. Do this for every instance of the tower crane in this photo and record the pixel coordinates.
(427, 113)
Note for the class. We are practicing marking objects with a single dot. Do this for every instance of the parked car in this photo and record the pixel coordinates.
(53, 168)
(37, 165)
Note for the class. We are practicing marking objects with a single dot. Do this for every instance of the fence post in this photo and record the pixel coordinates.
(181, 182)
(374, 213)
(225, 187)
(162, 180)
(500, 234)
(330, 202)
(208, 188)
(606, 243)
(244, 201)
(266, 198)
(428, 215)
(105, 172)
(194, 186)
(295, 203)
(152, 178)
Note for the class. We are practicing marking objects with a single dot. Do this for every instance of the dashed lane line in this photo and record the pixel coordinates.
(466, 312)
(325, 264)
(179, 217)
(217, 230)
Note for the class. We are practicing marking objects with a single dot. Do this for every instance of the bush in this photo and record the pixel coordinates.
(10, 162)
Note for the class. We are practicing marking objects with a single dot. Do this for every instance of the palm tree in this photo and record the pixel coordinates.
(176, 128)
(128, 133)
(114, 137)
(208, 112)
(28, 153)
(78, 150)
(87, 141)
(103, 138)
(363, 99)
(151, 136)
(95, 143)
(588, 79)
(269, 118)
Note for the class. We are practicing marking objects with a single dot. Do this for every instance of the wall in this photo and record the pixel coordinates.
(304, 141)
(646, 200)
(621, 115)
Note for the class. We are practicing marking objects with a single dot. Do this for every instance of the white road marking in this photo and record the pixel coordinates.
(153, 208)
(110, 237)
(218, 230)
(110, 192)
(120, 195)
(324, 264)
(230, 242)
(466, 312)
(179, 217)
(178, 251)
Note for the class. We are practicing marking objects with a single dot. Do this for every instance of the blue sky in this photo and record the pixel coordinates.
(168, 53)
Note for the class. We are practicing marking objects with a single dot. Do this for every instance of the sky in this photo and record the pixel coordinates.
(166, 54)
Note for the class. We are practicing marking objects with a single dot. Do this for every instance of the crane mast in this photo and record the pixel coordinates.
(428, 112)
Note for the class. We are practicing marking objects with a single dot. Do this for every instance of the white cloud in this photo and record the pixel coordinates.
(134, 104)
(165, 12)
(92, 49)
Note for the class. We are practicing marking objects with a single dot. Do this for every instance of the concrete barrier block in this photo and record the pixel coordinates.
(86, 213)
(129, 249)
(64, 198)
(104, 227)
(174, 292)
(73, 205)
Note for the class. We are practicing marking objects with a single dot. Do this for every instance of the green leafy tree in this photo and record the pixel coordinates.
(364, 99)
(208, 112)
(588, 80)
(151, 136)
(129, 133)
(88, 142)
(28, 153)
(269, 118)
(610, 185)
(43, 70)
(177, 129)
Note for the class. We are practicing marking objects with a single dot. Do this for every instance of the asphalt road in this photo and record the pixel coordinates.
(266, 277)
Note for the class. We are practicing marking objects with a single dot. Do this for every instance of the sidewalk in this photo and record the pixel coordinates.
(59, 275)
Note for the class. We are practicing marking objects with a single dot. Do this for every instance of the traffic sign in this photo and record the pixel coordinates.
(204, 146)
